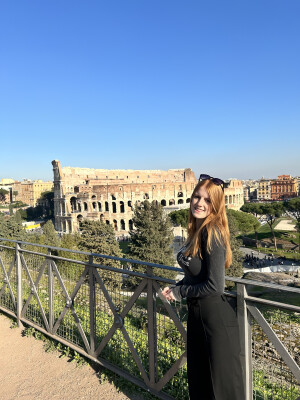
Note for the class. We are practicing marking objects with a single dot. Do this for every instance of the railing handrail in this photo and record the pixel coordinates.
(244, 281)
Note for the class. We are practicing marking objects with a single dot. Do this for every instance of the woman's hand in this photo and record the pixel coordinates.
(168, 294)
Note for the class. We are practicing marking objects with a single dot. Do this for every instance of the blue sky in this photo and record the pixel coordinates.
(136, 84)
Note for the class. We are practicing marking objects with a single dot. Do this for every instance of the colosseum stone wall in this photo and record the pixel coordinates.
(109, 195)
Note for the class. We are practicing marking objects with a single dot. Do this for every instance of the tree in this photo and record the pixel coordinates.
(18, 217)
(98, 237)
(50, 237)
(11, 229)
(3, 194)
(180, 217)
(152, 239)
(244, 222)
(272, 211)
(48, 204)
(236, 268)
(252, 208)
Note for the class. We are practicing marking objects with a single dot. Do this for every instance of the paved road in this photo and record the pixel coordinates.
(261, 256)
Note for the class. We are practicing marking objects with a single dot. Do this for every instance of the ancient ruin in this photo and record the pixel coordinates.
(109, 195)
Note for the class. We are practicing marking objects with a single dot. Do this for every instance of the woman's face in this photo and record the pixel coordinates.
(200, 204)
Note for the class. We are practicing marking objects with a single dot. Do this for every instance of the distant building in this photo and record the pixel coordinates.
(234, 194)
(284, 187)
(29, 192)
(264, 189)
(250, 192)
(6, 181)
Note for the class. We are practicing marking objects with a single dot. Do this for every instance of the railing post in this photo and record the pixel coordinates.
(152, 329)
(244, 322)
(92, 307)
(19, 285)
(50, 290)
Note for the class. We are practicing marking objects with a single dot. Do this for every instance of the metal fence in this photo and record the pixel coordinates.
(83, 300)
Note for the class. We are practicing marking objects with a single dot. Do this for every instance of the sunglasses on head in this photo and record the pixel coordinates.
(216, 181)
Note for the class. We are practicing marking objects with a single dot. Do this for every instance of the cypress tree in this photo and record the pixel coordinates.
(50, 236)
(152, 239)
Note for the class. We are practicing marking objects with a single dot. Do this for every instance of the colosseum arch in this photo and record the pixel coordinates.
(163, 203)
(99, 206)
(180, 201)
(171, 202)
(122, 225)
(115, 224)
(73, 202)
(122, 207)
(130, 223)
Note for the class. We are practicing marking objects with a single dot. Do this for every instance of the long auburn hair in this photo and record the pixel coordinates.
(216, 223)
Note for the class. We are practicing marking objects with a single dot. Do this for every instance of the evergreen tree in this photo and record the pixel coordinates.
(152, 238)
(98, 237)
(18, 217)
(50, 236)
(10, 228)
(236, 268)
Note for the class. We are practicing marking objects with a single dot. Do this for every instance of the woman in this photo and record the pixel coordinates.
(213, 363)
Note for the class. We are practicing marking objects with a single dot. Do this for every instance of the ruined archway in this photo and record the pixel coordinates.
(115, 223)
(73, 202)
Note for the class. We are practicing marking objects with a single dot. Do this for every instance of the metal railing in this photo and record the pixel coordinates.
(83, 300)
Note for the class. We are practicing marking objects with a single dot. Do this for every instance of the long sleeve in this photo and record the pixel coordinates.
(215, 279)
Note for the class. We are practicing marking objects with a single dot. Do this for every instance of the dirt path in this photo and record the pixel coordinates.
(27, 372)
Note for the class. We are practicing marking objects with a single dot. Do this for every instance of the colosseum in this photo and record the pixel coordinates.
(109, 195)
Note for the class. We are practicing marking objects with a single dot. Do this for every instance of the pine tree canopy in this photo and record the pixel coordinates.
(98, 237)
(152, 238)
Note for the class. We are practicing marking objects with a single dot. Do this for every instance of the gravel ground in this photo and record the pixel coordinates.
(286, 225)
(27, 372)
